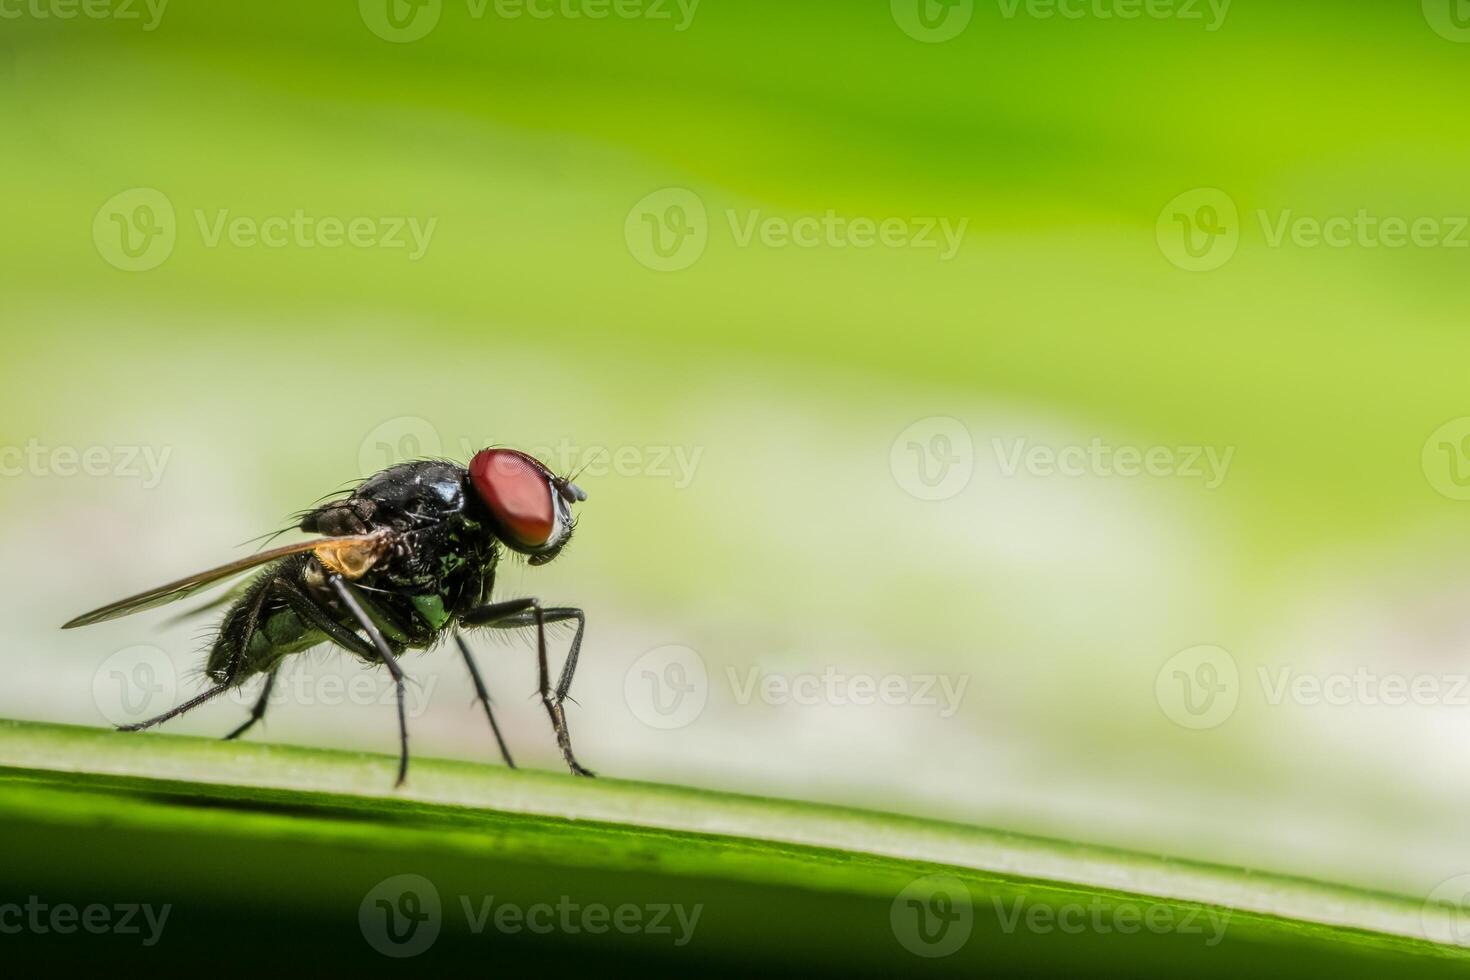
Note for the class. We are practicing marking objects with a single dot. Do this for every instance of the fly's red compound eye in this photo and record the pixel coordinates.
(518, 493)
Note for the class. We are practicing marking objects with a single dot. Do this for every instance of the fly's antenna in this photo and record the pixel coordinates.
(599, 451)
(566, 485)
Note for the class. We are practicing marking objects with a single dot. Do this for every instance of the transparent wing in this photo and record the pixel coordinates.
(351, 555)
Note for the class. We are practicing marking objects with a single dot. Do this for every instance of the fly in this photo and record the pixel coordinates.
(405, 558)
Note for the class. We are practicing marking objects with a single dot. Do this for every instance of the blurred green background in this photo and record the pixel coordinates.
(583, 187)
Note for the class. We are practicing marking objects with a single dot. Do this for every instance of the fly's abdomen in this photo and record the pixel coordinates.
(257, 632)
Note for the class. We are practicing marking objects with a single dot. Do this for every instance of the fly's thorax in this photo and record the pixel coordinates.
(401, 497)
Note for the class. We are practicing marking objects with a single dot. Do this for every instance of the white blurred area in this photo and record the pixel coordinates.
(1049, 602)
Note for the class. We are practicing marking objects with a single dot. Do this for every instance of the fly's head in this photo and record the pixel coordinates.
(530, 507)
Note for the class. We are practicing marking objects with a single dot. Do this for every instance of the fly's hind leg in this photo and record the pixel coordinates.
(257, 712)
(230, 670)
(188, 705)
(284, 589)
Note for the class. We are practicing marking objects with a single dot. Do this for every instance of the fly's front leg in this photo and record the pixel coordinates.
(483, 696)
(554, 703)
(520, 613)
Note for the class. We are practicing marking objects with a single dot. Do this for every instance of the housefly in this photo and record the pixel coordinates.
(407, 557)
